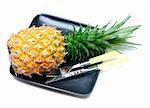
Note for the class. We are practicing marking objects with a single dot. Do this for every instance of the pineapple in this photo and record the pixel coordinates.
(36, 50)
(41, 49)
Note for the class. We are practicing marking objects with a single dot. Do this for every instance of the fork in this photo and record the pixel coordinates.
(103, 66)
(104, 57)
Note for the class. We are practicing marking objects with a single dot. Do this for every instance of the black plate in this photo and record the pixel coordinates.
(80, 85)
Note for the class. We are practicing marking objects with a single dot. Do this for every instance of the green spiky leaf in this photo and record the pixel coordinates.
(89, 42)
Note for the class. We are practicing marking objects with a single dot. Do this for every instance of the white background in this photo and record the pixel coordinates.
(127, 86)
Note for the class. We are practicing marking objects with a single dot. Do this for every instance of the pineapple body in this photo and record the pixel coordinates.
(36, 50)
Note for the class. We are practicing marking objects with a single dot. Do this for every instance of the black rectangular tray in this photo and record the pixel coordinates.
(81, 85)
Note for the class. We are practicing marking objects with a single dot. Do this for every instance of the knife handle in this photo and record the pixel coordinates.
(112, 63)
(104, 57)
(97, 59)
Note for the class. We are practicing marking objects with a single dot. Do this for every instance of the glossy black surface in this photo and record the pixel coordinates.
(80, 85)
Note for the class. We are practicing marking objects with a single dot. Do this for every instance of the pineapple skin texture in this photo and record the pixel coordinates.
(36, 50)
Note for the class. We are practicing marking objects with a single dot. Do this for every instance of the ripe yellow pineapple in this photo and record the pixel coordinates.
(36, 50)
(40, 49)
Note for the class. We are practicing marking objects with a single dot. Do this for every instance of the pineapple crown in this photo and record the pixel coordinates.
(92, 41)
